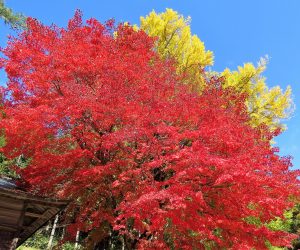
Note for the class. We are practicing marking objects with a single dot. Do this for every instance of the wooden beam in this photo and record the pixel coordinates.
(35, 215)
(21, 195)
(36, 224)
(5, 226)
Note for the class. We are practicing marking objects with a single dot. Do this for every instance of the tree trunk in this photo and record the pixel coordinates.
(52, 233)
(77, 239)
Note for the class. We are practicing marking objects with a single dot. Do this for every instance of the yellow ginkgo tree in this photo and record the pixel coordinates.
(265, 105)
(175, 41)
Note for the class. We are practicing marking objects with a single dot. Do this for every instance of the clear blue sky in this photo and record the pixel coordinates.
(236, 31)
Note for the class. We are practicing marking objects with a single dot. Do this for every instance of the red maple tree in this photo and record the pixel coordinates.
(105, 122)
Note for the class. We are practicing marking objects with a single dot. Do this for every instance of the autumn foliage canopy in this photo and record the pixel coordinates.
(107, 123)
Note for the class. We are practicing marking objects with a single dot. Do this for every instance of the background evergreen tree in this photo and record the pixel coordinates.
(15, 20)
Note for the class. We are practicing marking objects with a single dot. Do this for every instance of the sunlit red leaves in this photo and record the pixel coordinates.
(108, 124)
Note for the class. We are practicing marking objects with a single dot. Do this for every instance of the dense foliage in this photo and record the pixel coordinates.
(175, 40)
(106, 122)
